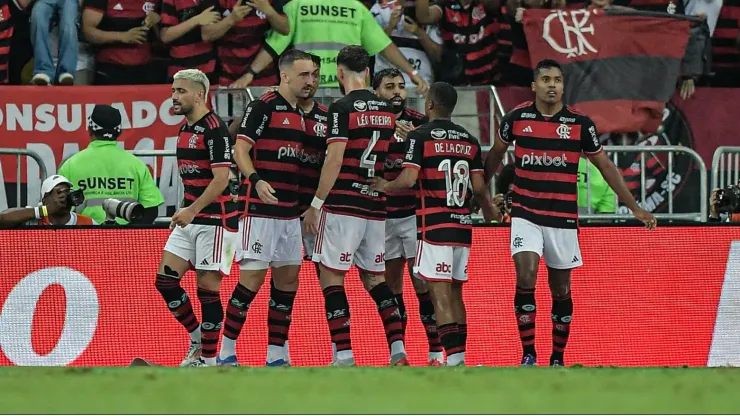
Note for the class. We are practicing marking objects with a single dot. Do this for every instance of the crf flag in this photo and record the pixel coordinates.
(620, 69)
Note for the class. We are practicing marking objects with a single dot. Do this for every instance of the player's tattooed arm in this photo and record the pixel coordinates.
(500, 145)
(483, 198)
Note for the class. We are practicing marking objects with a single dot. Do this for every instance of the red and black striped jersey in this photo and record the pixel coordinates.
(189, 50)
(446, 155)
(662, 6)
(6, 35)
(238, 47)
(122, 16)
(725, 51)
(312, 157)
(275, 130)
(547, 152)
(471, 31)
(366, 123)
(401, 204)
(202, 146)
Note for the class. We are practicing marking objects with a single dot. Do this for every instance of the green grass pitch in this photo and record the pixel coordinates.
(369, 390)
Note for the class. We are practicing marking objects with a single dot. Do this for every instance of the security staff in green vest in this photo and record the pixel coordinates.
(104, 171)
(603, 199)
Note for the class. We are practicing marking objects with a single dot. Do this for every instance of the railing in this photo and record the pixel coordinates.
(725, 167)
(18, 174)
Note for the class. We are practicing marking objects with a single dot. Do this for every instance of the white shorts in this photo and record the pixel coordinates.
(206, 247)
(269, 242)
(344, 240)
(309, 240)
(559, 246)
(400, 238)
(441, 263)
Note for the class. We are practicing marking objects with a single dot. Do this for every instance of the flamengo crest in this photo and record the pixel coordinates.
(574, 32)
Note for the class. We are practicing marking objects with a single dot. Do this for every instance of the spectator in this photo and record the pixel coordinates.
(469, 29)
(122, 33)
(420, 45)
(85, 70)
(662, 6)
(726, 46)
(241, 32)
(7, 24)
(43, 14)
(104, 170)
(592, 187)
(55, 207)
(182, 29)
(323, 28)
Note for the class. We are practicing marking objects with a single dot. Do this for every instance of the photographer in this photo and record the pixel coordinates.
(57, 200)
(724, 204)
(115, 182)
(504, 184)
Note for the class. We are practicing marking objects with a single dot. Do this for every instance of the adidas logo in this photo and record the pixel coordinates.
(118, 7)
(527, 129)
(286, 122)
(575, 259)
(204, 262)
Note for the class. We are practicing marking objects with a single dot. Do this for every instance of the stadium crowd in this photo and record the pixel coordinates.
(124, 42)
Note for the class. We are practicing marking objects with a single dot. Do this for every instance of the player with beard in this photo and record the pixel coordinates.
(268, 149)
(550, 138)
(400, 226)
(204, 231)
(352, 226)
(445, 160)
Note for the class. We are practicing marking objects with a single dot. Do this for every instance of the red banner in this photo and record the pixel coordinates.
(87, 297)
(54, 124)
(623, 86)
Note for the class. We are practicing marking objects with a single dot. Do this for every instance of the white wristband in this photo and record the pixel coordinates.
(317, 203)
(37, 212)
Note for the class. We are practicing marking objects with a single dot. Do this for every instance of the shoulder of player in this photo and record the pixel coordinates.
(413, 114)
(341, 105)
(321, 108)
(518, 110)
(581, 118)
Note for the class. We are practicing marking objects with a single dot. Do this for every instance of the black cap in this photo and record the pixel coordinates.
(105, 122)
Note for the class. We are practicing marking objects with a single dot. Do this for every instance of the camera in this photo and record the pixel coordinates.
(728, 199)
(129, 211)
(75, 198)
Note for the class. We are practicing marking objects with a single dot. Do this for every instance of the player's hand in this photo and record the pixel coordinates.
(208, 16)
(311, 221)
(498, 214)
(135, 36)
(183, 217)
(378, 184)
(152, 19)
(499, 202)
(240, 11)
(265, 192)
(647, 218)
(403, 129)
(243, 81)
(474, 206)
(421, 86)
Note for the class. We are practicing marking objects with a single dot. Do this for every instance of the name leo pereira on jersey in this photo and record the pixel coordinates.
(376, 121)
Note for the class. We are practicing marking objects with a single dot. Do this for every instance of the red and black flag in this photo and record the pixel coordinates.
(620, 68)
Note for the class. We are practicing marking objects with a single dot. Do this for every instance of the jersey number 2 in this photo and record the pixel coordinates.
(457, 179)
(368, 158)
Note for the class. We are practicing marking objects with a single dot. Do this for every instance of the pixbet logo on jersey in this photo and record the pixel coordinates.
(288, 151)
(544, 159)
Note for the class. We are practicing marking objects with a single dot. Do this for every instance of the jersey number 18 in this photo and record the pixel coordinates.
(457, 180)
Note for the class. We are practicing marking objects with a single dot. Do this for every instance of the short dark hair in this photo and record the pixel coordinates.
(385, 73)
(289, 57)
(505, 178)
(316, 59)
(546, 64)
(353, 57)
(443, 95)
